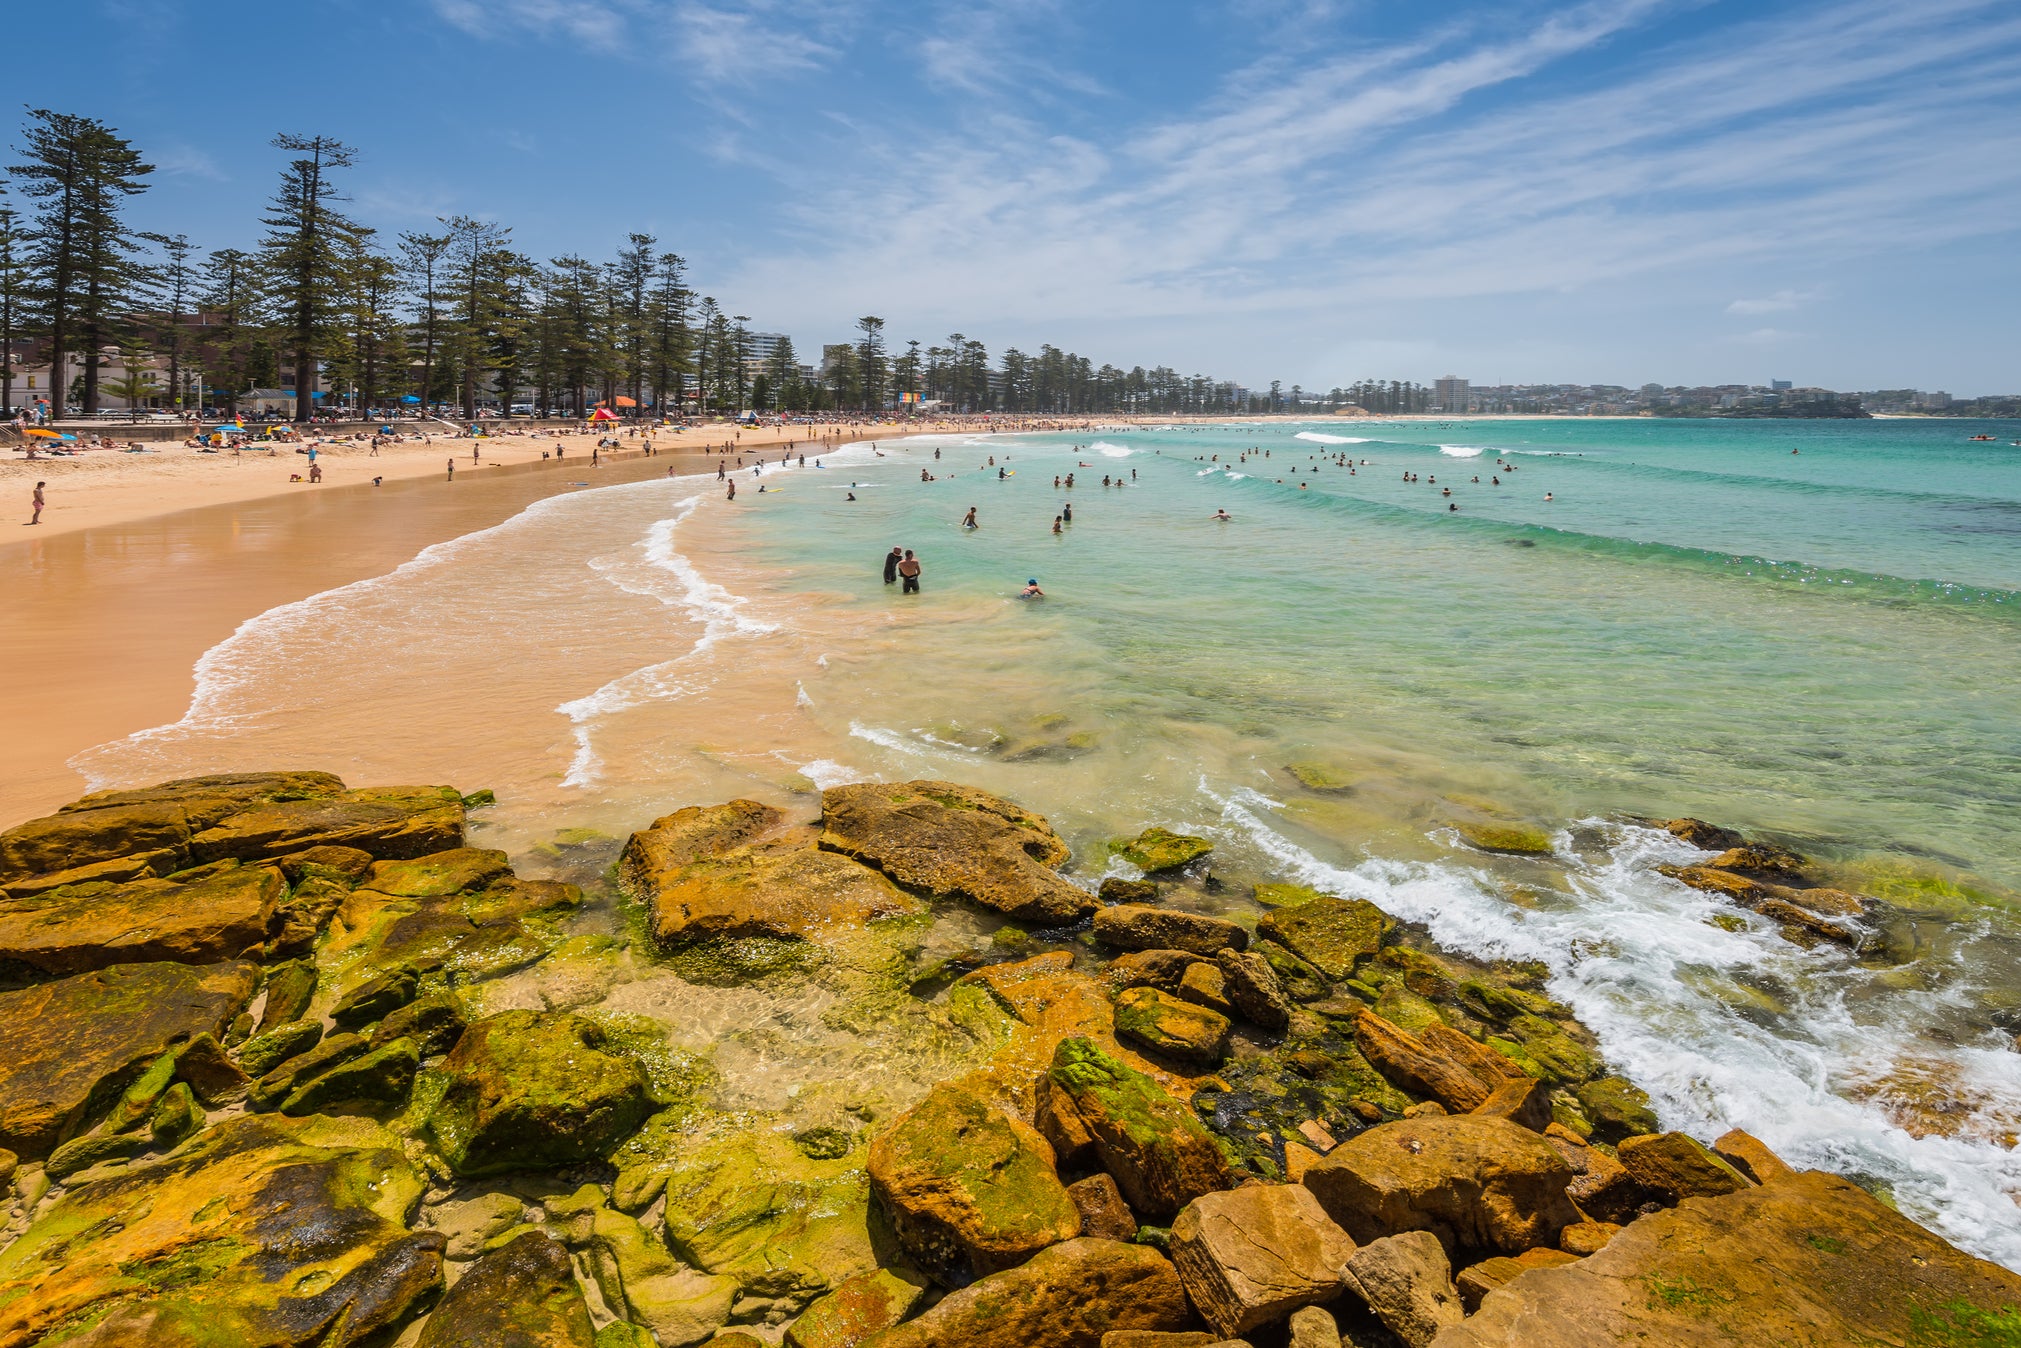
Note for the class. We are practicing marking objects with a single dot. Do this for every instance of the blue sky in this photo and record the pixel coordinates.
(1296, 189)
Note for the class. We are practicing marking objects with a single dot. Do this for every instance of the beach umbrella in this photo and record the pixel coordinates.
(626, 402)
(409, 398)
(603, 414)
(39, 432)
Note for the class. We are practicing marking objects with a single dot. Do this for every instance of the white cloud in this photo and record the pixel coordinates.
(1765, 337)
(180, 160)
(1780, 302)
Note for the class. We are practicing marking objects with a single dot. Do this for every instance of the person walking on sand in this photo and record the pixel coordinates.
(452, 470)
(36, 502)
(908, 571)
(891, 561)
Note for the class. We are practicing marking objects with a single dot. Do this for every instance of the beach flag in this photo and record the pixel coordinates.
(908, 397)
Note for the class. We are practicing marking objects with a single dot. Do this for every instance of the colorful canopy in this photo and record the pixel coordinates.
(46, 435)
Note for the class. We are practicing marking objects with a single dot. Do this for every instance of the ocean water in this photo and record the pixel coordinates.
(1819, 646)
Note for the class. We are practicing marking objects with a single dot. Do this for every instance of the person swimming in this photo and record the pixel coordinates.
(1221, 515)
(1032, 590)
(968, 520)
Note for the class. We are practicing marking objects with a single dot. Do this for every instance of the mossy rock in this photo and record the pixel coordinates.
(1177, 1029)
(1320, 1077)
(1301, 980)
(1507, 839)
(375, 1081)
(1320, 777)
(1565, 1060)
(1332, 935)
(438, 874)
(1157, 850)
(1617, 1108)
(1274, 894)
(1160, 1154)
(527, 1091)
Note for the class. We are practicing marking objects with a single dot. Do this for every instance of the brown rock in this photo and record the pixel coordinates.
(1438, 1061)
(969, 1189)
(1584, 1238)
(1060, 1123)
(349, 864)
(954, 842)
(859, 1307)
(1476, 1183)
(1523, 1100)
(777, 891)
(1751, 1157)
(1254, 988)
(1298, 1159)
(1763, 861)
(1492, 1274)
(1115, 889)
(1250, 1256)
(1333, 935)
(1161, 969)
(1676, 1167)
(688, 835)
(1698, 833)
(1154, 1146)
(1068, 1296)
(1600, 1185)
(1104, 1214)
(1407, 1282)
(1203, 985)
(521, 1295)
(1136, 926)
(1177, 1029)
(69, 931)
(1812, 1259)
(1155, 1338)
(73, 1045)
(390, 822)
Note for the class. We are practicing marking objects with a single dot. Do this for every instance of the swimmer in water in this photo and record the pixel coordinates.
(968, 520)
(1547, 496)
(1056, 524)
(852, 495)
(1032, 590)
(1221, 515)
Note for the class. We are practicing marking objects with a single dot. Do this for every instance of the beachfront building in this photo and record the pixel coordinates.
(1451, 394)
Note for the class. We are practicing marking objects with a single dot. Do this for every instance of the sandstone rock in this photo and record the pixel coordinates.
(289, 988)
(393, 822)
(214, 1077)
(521, 1296)
(1060, 1123)
(1510, 839)
(1169, 1026)
(81, 1153)
(688, 835)
(262, 1231)
(75, 1044)
(1203, 985)
(1067, 1296)
(955, 842)
(159, 821)
(84, 927)
(471, 1225)
(1312, 1327)
(1601, 1187)
(1332, 935)
(1438, 1061)
(346, 864)
(1476, 1281)
(781, 1221)
(1476, 1183)
(1523, 1100)
(778, 891)
(438, 874)
(1617, 1108)
(1763, 861)
(1135, 926)
(1154, 1146)
(1161, 969)
(969, 1189)
(1675, 1166)
(376, 1078)
(1104, 1214)
(1250, 1256)
(374, 998)
(1254, 989)
(861, 1306)
(1115, 889)
(1159, 1338)
(526, 1091)
(1698, 833)
(1751, 1157)
(1407, 1282)
(1584, 1238)
(1156, 850)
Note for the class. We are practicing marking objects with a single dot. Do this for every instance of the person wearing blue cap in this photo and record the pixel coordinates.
(1032, 590)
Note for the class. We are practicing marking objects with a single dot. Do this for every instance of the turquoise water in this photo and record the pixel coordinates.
(1820, 646)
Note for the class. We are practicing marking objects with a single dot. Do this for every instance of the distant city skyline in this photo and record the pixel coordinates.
(1254, 189)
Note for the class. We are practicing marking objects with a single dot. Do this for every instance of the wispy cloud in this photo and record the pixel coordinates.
(1780, 302)
(185, 161)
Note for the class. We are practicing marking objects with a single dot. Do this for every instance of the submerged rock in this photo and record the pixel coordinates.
(523, 1295)
(1156, 850)
(1510, 839)
(1068, 1296)
(954, 842)
(264, 1231)
(1809, 1259)
(969, 1189)
(211, 917)
(75, 1044)
(527, 1091)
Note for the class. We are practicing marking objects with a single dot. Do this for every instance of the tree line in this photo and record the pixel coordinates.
(456, 315)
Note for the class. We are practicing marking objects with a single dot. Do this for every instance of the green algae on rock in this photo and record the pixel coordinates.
(1332, 935)
(526, 1092)
(1157, 850)
(856, 1309)
(210, 917)
(1520, 840)
(523, 1295)
(1154, 1146)
(1175, 1028)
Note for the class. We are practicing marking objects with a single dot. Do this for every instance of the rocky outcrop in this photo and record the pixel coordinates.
(1491, 1275)
(1438, 1062)
(954, 842)
(1676, 1167)
(208, 917)
(75, 1044)
(262, 1231)
(1136, 926)
(1157, 850)
(969, 1190)
(390, 822)
(778, 890)
(1254, 989)
(1332, 935)
(1067, 1296)
(527, 1091)
(1177, 1029)
(1154, 1146)
(1808, 1259)
(1407, 1282)
(1476, 1183)
(862, 1306)
(1104, 1213)
(1249, 1257)
(523, 1295)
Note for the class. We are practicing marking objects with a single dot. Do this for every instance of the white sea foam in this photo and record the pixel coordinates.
(1463, 451)
(1321, 438)
(1637, 957)
(885, 739)
(1112, 451)
(826, 772)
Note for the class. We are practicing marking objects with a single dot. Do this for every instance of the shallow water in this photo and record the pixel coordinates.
(1819, 645)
